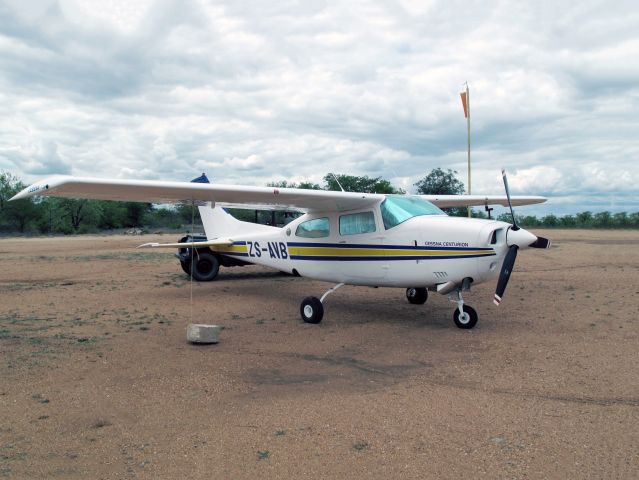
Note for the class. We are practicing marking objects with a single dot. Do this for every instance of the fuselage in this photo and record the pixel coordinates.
(366, 247)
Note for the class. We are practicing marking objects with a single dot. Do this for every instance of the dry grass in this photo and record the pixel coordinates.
(99, 382)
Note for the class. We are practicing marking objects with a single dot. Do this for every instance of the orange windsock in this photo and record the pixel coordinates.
(463, 97)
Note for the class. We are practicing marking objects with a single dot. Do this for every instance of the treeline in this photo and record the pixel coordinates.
(68, 216)
(580, 220)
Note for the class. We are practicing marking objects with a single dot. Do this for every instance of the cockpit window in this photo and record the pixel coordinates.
(355, 223)
(316, 228)
(398, 209)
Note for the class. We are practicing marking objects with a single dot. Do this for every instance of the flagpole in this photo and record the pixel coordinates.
(468, 125)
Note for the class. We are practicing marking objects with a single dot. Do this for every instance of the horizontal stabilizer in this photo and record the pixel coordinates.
(208, 243)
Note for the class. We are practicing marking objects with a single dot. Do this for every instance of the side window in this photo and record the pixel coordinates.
(316, 228)
(355, 223)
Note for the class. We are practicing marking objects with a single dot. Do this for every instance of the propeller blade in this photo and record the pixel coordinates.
(541, 242)
(504, 275)
(512, 214)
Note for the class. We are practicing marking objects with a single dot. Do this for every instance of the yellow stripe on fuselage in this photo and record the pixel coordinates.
(370, 252)
(230, 249)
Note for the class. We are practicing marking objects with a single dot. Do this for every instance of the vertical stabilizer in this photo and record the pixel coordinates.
(217, 223)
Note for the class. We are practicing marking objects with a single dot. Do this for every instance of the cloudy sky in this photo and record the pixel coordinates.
(253, 91)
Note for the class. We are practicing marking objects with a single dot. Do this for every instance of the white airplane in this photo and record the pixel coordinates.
(342, 237)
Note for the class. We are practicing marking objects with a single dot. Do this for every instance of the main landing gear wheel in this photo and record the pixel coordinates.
(312, 310)
(417, 296)
(466, 319)
(205, 267)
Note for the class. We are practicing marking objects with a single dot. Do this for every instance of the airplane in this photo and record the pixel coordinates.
(346, 238)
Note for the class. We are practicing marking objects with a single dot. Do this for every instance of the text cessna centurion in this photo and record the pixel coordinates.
(342, 237)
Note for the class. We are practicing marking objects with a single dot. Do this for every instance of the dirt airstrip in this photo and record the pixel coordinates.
(97, 380)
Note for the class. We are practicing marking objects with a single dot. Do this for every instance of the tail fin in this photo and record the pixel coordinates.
(217, 223)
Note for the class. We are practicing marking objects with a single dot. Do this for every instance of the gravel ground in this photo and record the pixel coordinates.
(98, 381)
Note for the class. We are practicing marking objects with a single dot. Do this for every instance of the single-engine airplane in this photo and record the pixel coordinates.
(342, 237)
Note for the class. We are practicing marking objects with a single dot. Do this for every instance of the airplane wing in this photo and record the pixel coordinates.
(257, 206)
(154, 191)
(448, 201)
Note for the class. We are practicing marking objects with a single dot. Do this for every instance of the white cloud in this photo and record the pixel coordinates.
(123, 15)
(542, 177)
(251, 91)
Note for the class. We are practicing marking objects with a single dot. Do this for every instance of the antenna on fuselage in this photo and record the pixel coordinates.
(340, 185)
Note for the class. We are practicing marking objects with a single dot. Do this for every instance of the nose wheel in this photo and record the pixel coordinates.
(464, 316)
(467, 318)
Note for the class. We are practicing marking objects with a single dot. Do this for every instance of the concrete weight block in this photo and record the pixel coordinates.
(201, 333)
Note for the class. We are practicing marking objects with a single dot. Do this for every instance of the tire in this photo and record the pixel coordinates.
(417, 296)
(312, 310)
(205, 266)
(466, 323)
(186, 266)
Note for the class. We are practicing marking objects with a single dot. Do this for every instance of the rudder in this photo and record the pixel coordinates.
(218, 223)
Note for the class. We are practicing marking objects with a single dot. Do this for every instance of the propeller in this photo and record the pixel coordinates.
(515, 238)
(504, 275)
(512, 214)
(541, 242)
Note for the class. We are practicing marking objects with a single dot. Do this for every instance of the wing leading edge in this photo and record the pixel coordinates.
(448, 201)
(154, 191)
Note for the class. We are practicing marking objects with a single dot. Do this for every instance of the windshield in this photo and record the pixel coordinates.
(398, 209)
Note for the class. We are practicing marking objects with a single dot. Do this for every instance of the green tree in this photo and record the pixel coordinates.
(282, 184)
(18, 215)
(602, 220)
(360, 184)
(136, 213)
(620, 220)
(163, 216)
(550, 221)
(187, 213)
(584, 219)
(568, 221)
(112, 215)
(443, 182)
(528, 221)
(9, 186)
(309, 186)
(440, 182)
(505, 217)
(21, 215)
(73, 215)
(285, 184)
